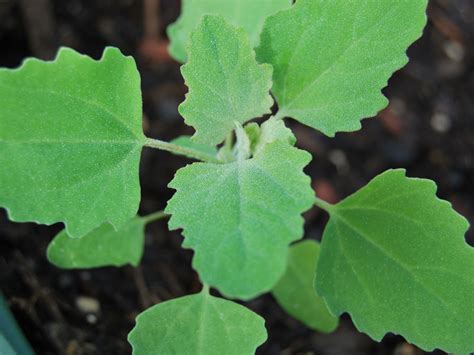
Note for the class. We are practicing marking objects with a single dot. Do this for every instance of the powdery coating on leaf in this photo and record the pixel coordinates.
(394, 257)
(332, 58)
(240, 217)
(249, 14)
(225, 82)
(103, 246)
(199, 324)
(70, 140)
(295, 291)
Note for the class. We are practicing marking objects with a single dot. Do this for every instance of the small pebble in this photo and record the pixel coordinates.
(455, 51)
(339, 159)
(440, 122)
(91, 318)
(87, 304)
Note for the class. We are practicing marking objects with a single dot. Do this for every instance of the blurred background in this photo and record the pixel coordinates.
(428, 129)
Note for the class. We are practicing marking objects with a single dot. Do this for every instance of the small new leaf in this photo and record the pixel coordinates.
(273, 130)
(331, 58)
(226, 84)
(198, 324)
(295, 290)
(249, 14)
(240, 217)
(70, 140)
(394, 257)
(243, 144)
(104, 246)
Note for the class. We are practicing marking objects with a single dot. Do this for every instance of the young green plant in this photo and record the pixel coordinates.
(393, 255)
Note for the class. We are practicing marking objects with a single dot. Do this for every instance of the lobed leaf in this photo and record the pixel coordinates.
(104, 246)
(240, 217)
(226, 84)
(295, 291)
(70, 140)
(394, 257)
(197, 324)
(248, 14)
(331, 58)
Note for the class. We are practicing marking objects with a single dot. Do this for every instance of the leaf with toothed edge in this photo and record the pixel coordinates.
(394, 257)
(226, 84)
(70, 140)
(197, 324)
(248, 14)
(331, 58)
(241, 238)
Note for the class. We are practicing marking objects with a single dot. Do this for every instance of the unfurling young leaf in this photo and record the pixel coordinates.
(104, 246)
(331, 58)
(70, 140)
(243, 145)
(295, 290)
(240, 217)
(198, 324)
(273, 130)
(226, 84)
(394, 257)
(249, 14)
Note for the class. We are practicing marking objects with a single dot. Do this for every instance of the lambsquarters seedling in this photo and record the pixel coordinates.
(393, 255)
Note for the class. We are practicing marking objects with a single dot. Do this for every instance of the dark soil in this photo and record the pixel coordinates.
(427, 129)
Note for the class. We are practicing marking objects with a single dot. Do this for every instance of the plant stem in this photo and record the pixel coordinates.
(205, 289)
(179, 150)
(324, 205)
(155, 216)
(279, 115)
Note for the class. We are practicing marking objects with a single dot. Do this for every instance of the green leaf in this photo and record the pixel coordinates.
(243, 143)
(331, 58)
(295, 290)
(273, 130)
(103, 246)
(197, 324)
(394, 257)
(187, 142)
(70, 140)
(225, 82)
(249, 14)
(240, 217)
(252, 130)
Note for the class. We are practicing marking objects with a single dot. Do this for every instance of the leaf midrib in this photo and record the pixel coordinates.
(70, 141)
(402, 265)
(125, 159)
(92, 104)
(286, 106)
